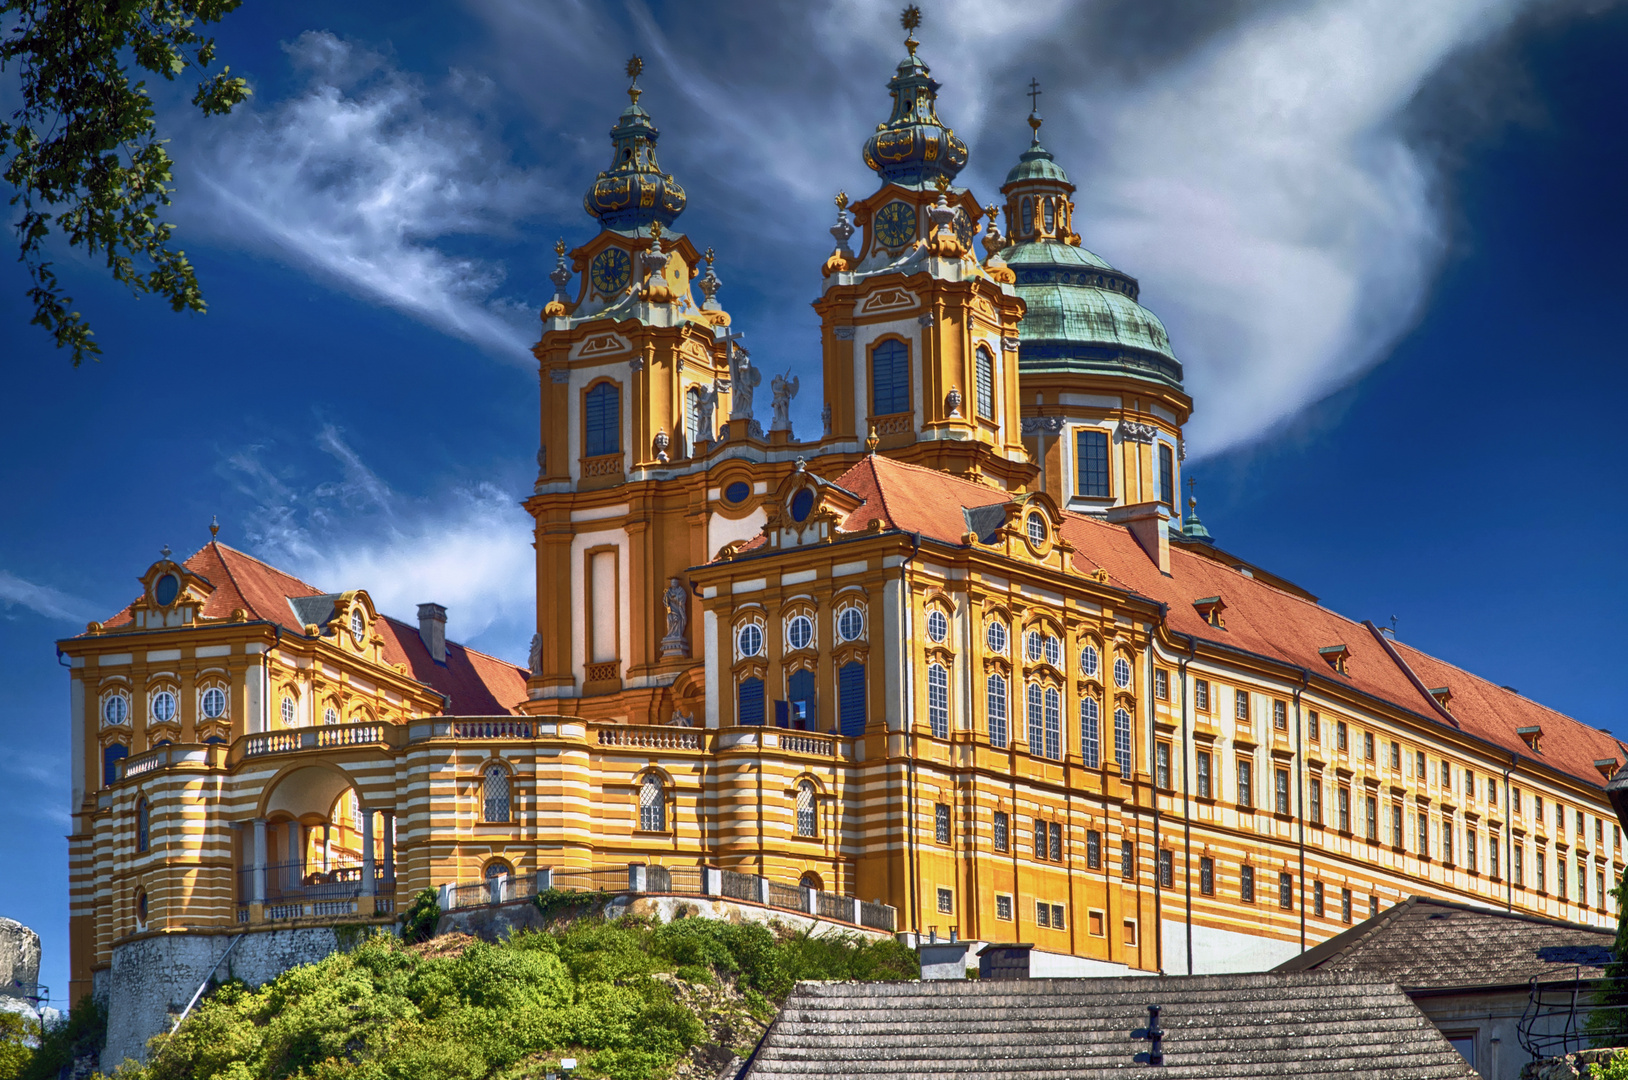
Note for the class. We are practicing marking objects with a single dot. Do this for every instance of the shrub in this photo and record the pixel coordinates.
(418, 921)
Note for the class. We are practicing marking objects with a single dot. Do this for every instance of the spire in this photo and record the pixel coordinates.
(1192, 528)
(912, 146)
(634, 193)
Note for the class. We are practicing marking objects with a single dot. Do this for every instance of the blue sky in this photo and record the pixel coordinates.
(1384, 236)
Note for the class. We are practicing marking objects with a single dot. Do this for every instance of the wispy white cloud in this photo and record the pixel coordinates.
(45, 600)
(467, 547)
(369, 178)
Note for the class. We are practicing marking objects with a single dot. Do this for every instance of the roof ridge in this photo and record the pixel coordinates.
(461, 645)
(264, 563)
(1389, 648)
(1505, 689)
(1339, 944)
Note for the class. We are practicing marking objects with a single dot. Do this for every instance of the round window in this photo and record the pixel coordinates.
(358, 625)
(163, 707)
(115, 710)
(850, 624)
(802, 504)
(214, 702)
(1037, 528)
(1122, 672)
(166, 590)
(937, 626)
(1054, 652)
(1032, 646)
(330, 715)
(288, 712)
(1088, 659)
(750, 640)
(995, 637)
(738, 492)
(800, 632)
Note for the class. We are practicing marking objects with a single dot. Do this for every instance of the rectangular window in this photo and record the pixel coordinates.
(851, 698)
(1057, 916)
(1344, 804)
(1446, 776)
(1056, 841)
(995, 699)
(1373, 906)
(1202, 760)
(1280, 791)
(1240, 704)
(1397, 838)
(1167, 475)
(1206, 875)
(1122, 741)
(1341, 736)
(1537, 809)
(1042, 913)
(1469, 784)
(602, 420)
(1003, 907)
(1161, 765)
(1054, 724)
(986, 383)
(890, 379)
(1315, 790)
(1001, 837)
(946, 902)
(1091, 461)
(1317, 899)
(1127, 860)
(1345, 905)
(1560, 876)
(1161, 684)
(1090, 735)
(1470, 863)
(1542, 863)
(1039, 840)
(1286, 891)
(1419, 765)
(1515, 800)
(1396, 756)
(1492, 852)
(1560, 818)
(938, 701)
(1518, 869)
(1314, 725)
(1167, 870)
(1368, 746)
(1246, 777)
(1371, 806)
(1280, 716)
(1599, 890)
(1093, 849)
(1446, 839)
(1094, 924)
(1246, 884)
(1424, 835)
(1582, 883)
(1578, 828)
(1201, 695)
(1599, 833)
(941, 822)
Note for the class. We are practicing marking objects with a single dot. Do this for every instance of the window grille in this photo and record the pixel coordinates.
(1122, 741)
(941, 822)
(1317, 899)
(1056, 831)
(1003, 908)
(938, 701)
(1167, 870)
(496, 794)
(1206, 875)
(749, 698)
(1039, 840)
(1280, 715)
(1161, 765)
(1127, 860)
(1037, 735)
(1057, 916)
(1315, 791)
(1090, 746)
(805, 808)
(1202, 762)
(652, 804)
(1280, 792)
(851, 697)
(1246, 783)
(1001, 837)
(996, 698)
(890, 379)
(1161, 684)
(1042, 913)
(602, 420)
(1054, 726)
(1093, 849)
(1246, 884)
(946, 902)
(1091, 463)
(1201, 695)
(986, 383)
(1286, 891)
(1240, 704)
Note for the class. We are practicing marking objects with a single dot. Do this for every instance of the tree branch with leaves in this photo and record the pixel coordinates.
(83, 154)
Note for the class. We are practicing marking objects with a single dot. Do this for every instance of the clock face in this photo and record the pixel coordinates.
(609, 272)
(963, 229)
(895, 224)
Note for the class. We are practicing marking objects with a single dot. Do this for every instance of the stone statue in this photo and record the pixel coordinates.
(677, 601)
(706, 400)
(784, 390)
(743, 381)
(535, 662)
(825, 418)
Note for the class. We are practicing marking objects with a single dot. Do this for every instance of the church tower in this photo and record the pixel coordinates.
(920, 340)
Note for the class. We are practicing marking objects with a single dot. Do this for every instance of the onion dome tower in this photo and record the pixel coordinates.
(913, 147)
(634, 192)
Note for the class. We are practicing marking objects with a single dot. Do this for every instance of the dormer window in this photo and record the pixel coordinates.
(358, 625)
(1530, 736)
(1607, 767)
(1443, 696)
(1335, 656)
(1209, 609)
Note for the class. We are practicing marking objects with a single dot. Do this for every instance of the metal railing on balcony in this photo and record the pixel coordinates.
(299, 883)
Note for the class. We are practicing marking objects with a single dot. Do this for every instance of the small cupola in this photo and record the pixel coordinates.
(913, 147)
(634, 193)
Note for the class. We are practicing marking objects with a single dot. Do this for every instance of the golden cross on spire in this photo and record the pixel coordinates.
(910, 18)
(1034, 95)
(635, 67)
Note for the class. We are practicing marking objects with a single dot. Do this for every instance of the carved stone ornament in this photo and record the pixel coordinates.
(1042, 425)
(952, 401)
(535, 662)
(660, 444)
(843, 333)
(676, 600)
(785, 388)
(637, 363)
(1132, 431)
(825, 418)
(1009, 344)
(560, 376)
(926, 318)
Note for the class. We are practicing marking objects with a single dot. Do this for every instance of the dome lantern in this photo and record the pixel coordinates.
(913, 146)
(634, 193)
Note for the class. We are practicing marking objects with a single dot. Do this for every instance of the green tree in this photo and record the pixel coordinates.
(17, 1039)
(83, 153)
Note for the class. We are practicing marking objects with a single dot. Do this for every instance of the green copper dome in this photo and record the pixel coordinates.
(1037, 164)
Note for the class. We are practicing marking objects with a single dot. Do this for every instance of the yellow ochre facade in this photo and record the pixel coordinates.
(961, 654)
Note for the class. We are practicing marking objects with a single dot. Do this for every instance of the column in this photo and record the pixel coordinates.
(389, 845)
(258, 896)
(294, 870)
(367, 852)
(327, 846)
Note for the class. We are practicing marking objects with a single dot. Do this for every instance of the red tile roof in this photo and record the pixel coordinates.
(478, 684)
(1259, 618)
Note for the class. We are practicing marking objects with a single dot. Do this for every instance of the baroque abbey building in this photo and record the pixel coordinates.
(960, 654)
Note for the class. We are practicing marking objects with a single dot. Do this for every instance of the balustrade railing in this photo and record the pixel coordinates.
(650, 738)
(324, 737)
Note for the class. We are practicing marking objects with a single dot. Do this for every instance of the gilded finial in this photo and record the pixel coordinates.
(214, 527)
(635, 67)
(872, 441)
(655, 230)
(910, 18)
(842, 200)
(708, 256)
(990, 211)
(559, 247)
(941, 182)
(164, 551)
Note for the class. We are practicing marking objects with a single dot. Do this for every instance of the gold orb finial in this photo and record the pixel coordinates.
(635, 67)
(842, 200)
(910, 18)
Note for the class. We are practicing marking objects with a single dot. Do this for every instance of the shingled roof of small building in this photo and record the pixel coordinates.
(1424, 944)
(1307, 1024)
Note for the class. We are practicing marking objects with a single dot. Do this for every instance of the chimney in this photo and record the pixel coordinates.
(432, 630)
(1149, 522)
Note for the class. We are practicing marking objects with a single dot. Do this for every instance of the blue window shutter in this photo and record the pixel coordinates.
(890, 379)
(801, 689)
(782, 714)
(749, 709)
(110, 763)
(602, 421)
(851, 691)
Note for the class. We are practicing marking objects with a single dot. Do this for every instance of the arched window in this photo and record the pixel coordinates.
(986, 383)
(602, 421)
(111, 756)
(811, 880)
(851, 698)
(996, 707)
(890, 378)
(497, 868)
(805, 808)
(692, 418)
(495, 793)
(938, 701)
(1054, 724)
(1026, 212)
(652, 804)
(800, 687)
(1167, 475)
(1122, 741)
(1037, 736)
(144, 823)
(749, 701)
(1049, 211)
(1090, 732)
(141, 906)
